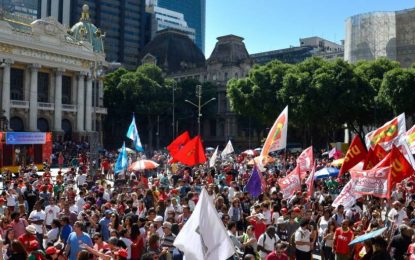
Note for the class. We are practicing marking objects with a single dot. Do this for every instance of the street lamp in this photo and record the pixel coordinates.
(199, 106)
(4, 122)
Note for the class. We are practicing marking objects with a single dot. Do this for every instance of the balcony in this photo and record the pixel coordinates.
(19, 104)
(68, 108)
(45, 106)
(101, 110)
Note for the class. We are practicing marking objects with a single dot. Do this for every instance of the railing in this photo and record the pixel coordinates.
(19, 104)
(101, 110)
(45, 106)
(68, 108)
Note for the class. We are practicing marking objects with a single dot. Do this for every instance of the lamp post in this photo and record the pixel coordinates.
(4, 122)
(172, 121)
(199, 106)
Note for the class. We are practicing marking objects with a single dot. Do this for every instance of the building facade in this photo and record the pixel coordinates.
(309, 47)
(60, 9)
(161, 18)
(194, 12)
(50, 79)
(381, 34)
(26, 10)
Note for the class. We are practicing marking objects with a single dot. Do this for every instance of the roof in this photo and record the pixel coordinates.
(230, 49)
(173, 51)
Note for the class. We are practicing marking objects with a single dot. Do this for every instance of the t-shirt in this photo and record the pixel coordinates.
(75, 241)
(35, 216)
(302, 235)
(259, 227)
(268, 243)
(342, 240)
(273, 256)
(51, 212)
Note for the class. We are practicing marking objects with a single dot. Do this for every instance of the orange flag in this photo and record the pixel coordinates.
(178, 143)
(355, 154)
(374, 156)
(192, 153)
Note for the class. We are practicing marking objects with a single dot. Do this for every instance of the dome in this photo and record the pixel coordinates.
(173, 51)
(85, 31)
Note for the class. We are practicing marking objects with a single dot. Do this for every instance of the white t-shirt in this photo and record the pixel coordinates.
(397, 216)
(268, 244)
(11, 200)
(302, 235)
(81, 179)
(52, 236)
(51, 214)
(35, 216)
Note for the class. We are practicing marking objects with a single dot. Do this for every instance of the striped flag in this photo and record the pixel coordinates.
(132, 133)
(277, 136)
(122, 161)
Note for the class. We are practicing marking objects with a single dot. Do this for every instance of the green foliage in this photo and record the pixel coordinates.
(324, 95)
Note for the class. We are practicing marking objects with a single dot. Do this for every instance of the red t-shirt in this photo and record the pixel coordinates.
(273, 256)
(259, 227)
(25, 240)
(343, 238)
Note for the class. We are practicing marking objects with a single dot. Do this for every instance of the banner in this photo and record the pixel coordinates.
(372, 182)
(347, 196)
(290, 183)
(25, 138)
(410, 139)
(47, 148)
(277, 136)
(387, 134)
(305, 162)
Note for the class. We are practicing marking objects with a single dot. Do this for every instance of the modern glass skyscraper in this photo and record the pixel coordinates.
(194, 13)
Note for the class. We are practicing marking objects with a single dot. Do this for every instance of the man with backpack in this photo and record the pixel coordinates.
(267, 242)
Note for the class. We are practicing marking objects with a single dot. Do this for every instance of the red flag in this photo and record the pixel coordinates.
(305, 162)
(374, 156)
(355, 154)
(400, 167)
(290, 183)
(192, 153)
(178, 143)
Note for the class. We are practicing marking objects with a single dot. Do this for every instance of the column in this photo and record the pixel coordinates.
(34, 68)
(55, 9)
(6, 88)
(88, 113)
(80, 102)
(66, 11)
(58, 100)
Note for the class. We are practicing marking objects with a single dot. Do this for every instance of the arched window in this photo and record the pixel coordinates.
(42, 125)
(16, 124)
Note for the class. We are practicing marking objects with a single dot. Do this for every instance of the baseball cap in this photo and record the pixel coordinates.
(52, 250)
(297, 210)
(158, 219)
(122, 252)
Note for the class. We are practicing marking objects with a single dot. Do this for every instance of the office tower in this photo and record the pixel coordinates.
(60, 9)
(194, 12)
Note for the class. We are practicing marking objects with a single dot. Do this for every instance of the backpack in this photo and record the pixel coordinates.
(292, 239)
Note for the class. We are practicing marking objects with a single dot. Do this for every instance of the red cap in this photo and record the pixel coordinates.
(284, 210)
(297, 210)
(52, 250)
(87, 206)
(33, 245)
(122, 252)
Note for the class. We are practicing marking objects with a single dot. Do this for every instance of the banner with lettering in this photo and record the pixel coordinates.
(25, 138)
(305, 162)
(290, 183)
(387, 134)
(373, 182)
(347, 196)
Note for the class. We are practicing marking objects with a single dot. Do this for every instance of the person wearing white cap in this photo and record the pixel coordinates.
(158, 221)
(397, 214)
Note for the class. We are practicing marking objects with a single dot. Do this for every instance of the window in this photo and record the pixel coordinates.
(66, 90)
(43, 87)
(16, 84)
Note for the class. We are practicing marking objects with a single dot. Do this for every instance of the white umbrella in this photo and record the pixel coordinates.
(129, 150)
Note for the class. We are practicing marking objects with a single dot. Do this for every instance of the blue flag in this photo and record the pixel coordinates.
(253, 186)
(122, 161)
(132, 133)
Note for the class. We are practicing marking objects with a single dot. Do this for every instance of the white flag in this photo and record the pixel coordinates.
(204, 235)
(332, 152)
(228, 149)
(212, 160)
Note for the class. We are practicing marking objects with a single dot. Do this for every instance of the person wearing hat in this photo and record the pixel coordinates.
(258, 221)
(281, 229)
(168, 237)
(267, 241)
(52, 253)
(28, 237)
(158, 221)
(104, 224)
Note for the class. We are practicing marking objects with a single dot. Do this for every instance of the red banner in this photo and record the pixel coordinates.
(290, 183)
(47, 148)
(355, 154)
(373, 182)
(305, 161)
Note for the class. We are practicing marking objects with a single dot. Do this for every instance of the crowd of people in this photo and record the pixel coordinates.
(82, 213)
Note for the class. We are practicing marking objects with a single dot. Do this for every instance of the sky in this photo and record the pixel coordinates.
(276, 24)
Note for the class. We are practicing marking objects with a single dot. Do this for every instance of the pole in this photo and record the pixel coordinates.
(199, 95)
(172, 122)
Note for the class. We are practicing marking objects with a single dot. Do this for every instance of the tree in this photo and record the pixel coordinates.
(397, 90)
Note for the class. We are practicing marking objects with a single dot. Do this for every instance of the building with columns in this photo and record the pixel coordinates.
(51, 77)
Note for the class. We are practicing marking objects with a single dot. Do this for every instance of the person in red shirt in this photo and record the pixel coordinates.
(28, 237)
(258, 221)
(278, 253)
(342, 237)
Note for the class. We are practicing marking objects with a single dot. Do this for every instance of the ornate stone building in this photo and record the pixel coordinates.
(229, 59)
(51, 77)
